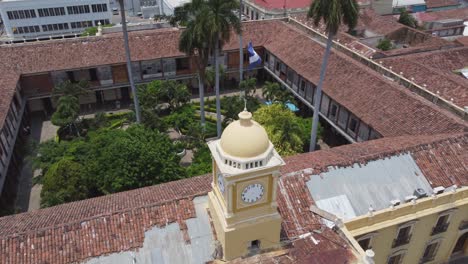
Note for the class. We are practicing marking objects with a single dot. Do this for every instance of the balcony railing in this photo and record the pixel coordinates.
(401, 241)
(439, 229)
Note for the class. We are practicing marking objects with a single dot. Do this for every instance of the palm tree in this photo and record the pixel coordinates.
(248, 87)
(68, 110)
(128, 58)
(218, 19)
(193, 43)
(210, 75)
(270, 91)
(289, 132)
(67, 88)
(333, 13)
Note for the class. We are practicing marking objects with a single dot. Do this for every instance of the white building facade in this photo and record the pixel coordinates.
(29, 19)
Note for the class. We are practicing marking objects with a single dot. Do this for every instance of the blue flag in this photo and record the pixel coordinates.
(254, 59)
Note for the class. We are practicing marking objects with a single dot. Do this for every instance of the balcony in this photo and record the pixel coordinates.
(439, 229)
(401, 241)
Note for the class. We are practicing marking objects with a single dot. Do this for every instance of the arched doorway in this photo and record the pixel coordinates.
(461, 245)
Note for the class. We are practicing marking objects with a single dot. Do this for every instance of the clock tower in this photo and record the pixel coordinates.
(243, 200)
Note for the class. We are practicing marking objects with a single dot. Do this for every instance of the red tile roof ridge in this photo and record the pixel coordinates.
(379, 150)
(116, 196)
(441, 3)
(362, 68)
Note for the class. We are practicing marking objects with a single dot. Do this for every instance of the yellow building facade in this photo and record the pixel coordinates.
(427, 230)
(243, 201)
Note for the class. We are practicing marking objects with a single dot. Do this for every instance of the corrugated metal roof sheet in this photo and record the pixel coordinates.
(167, 245)
(374, 185)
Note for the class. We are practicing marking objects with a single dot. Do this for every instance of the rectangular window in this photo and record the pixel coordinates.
(343, 117)
(365, 243)
(374, 135)
(363, 134)
(182, 64)
(353, 125)
(324, 104)
(441, 225)
(403, 237)
(396, 259)
(430, 252)
(290, 76)
(333, 111)
(151, 69)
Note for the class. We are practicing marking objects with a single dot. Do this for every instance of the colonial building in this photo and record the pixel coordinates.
(260, 9)
(391, 200)
(379, 103)
(31, 19)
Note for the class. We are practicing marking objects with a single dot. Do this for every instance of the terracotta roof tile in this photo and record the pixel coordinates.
(436, 70)
(391, 110)
(386, 106)
(441, 3)
(76, 231)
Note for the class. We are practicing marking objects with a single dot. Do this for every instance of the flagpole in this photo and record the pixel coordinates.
(241, 52)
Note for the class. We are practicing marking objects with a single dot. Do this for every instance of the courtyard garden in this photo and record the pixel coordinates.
(109, 152)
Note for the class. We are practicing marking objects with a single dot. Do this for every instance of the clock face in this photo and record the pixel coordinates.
(220, 182)
(252, 193)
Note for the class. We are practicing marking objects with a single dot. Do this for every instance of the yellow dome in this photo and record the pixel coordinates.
(244, 138)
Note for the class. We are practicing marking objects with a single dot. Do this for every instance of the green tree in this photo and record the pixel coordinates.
(407, 19)
(68, 104)
(193, 42)
(201, 162)
(248, 87)
(233, 105)
(68, 88)
(211, 75)
(151, 119)
(63, 182)
(123, 160)
(286, 131)
(181, 119)
(385, 44)
(67, 112)
(218, 20)
(272, 92)
(333, 13)
(109, 161)
(48, 153)
(176, 94)
(149, 96)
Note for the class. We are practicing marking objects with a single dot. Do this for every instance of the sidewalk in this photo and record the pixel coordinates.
(28, 195)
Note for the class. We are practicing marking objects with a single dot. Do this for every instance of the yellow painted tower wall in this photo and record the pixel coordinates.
(423, 215)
